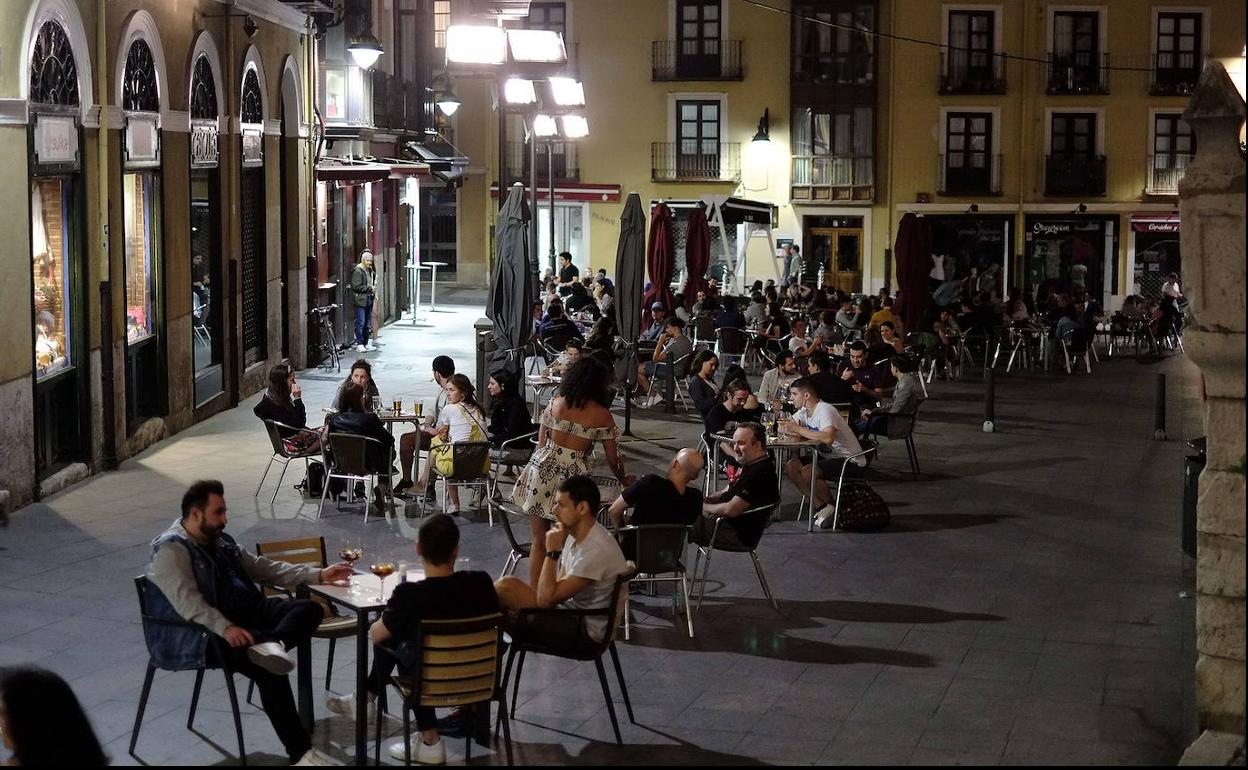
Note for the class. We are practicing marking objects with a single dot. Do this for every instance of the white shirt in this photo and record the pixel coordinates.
(797, 344)
(598, 558)
(1171, 289)
(825, 416)
(460, 419)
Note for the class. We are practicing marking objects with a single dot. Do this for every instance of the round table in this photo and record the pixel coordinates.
(540, 383)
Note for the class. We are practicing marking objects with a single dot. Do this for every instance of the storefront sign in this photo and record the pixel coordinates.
(1154, 226)
(204, 152)
(253, 147)
(56, 139)
(142, 142)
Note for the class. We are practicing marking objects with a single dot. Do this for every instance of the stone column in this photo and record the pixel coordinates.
(1212, 199)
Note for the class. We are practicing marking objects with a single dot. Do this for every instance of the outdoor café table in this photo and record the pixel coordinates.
(540, 383)
(390, 417)
(777, 446)
(370, 600)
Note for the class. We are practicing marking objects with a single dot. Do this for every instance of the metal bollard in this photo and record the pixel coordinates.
(990, 397)
(1159, 410)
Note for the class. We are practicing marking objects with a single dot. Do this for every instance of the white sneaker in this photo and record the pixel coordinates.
(344, 706)
(314, 757)
(271, 657)
(425, 754)
(360, 349)
(370, 346)
(825, 517)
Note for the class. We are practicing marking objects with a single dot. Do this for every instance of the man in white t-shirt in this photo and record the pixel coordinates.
(820, 421)
(582, 560)
(1171, 288)
(799, 343)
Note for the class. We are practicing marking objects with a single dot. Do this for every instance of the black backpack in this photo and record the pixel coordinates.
(314, 484)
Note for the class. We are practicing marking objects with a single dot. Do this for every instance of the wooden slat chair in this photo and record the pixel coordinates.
(450, 664)
(308, 550)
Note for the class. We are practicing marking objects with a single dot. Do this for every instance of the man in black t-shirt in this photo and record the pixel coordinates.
(828, 386)
(568, 273)
(444, 594)
(662, 499)
(735, 396)
(757, 485)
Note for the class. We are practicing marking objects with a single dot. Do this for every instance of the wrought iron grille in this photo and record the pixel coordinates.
(203, 91)
(53, 73)
(253, 105)
(251, 193)
(139, 90)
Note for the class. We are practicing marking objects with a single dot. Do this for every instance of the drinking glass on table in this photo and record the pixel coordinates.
(377, 404)
(351, 552)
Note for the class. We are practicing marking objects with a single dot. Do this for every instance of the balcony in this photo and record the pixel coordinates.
(833, 178)
(563, 165)
(1174, 74)
(1078, 73)
(668, 164)
(719, 60)
(398, 105)
(1074, 175)
(1164, 173)
(969, 180)
(959, 76)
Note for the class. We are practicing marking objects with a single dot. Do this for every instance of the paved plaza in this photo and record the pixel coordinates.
(1028, 605)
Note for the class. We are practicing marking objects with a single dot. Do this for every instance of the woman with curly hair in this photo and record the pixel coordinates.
(567, 430)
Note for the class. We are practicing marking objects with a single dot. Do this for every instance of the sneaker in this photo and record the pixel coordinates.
(654, 400)
(424, 753)
(825, 517)
(369, 346)
(360, 349)
(344, 706)
(314, 757)
(271, 657)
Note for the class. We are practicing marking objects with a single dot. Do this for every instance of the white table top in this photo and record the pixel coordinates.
(373, 592)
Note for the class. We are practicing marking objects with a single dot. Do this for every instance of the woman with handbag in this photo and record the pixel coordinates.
(460, 420)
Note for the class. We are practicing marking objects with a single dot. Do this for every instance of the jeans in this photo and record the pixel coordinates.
(290, 622)
(363, 322)
(875, 424)
(383, 667)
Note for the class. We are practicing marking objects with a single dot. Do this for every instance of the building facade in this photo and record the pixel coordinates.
(164, 215)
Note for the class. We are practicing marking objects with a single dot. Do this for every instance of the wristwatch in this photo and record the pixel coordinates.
(553, 554)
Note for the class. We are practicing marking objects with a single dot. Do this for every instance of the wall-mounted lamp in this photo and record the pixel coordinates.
(365, 50)
(250, 28)
(1082, 208)
(973, 208)
(448, 102)
(764, 127)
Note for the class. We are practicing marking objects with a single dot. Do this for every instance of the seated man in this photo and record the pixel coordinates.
(658, 322)
(819, 421)
(557, 324)
(799, 343)
(665, 499)
(571, 352)
(830, 388)
(444, 594)
(671, 346)
(756, 485)
(410, 443)
(733, 398)
(730, 317)
(863, 378)
(775, 386)
(581, 565)
(205, 578)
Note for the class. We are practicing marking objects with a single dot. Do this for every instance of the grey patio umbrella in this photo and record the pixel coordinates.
(630, 269)
(511, 290)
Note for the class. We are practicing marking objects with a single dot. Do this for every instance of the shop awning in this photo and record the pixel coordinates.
(734, 211)
(440, 157)
(574, 191)
(351, 173)
(1155, 224)
(403, 169)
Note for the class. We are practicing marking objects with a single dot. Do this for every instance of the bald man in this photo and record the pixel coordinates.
(663, 499)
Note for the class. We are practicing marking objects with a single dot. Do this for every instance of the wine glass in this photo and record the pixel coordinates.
(382, 570)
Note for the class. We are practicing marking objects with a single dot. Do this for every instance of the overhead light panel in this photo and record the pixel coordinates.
(471, 44)
(519, 91)
(537, 46)
(544, 127)
(568, 92)
(575, 126)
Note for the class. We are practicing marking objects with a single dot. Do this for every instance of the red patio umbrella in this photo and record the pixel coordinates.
(659, 261)
(912, 254)
(697, 254)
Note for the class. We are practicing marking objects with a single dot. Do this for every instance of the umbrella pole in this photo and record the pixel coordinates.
(630, 367)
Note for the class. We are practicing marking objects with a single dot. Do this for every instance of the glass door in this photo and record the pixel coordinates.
(141, 282)
(206, 288)
(967, 158)
(697, 38)
(697, 146)
(839, 251)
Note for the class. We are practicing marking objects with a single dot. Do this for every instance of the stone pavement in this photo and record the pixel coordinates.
(1027, 605)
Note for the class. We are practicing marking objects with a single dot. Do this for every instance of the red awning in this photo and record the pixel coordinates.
(352, 173)
(1155, 224)
(593, 193)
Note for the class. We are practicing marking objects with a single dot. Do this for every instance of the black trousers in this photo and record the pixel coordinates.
(291, 623)
(382, 668)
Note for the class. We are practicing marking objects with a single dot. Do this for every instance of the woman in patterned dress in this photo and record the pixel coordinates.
(567, 430)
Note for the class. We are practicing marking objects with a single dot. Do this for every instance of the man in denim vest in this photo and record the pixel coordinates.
(199, 574)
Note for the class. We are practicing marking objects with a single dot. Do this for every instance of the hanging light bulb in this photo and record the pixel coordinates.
(365, 50)
(448, 102)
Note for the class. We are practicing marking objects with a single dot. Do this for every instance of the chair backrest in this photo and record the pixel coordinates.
(608, 486)
(658, 548)
(704, 327)
(680, 367)
(730, 340)
(458, 663)
(901, 425)
(508, 510)
(761, 512)
(140, 585)
(470, 460)
(275, 437)
(618, 603)
(305, 550)
(349, 453)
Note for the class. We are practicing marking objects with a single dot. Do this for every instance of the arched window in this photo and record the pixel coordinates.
(53, 74)
(203, 91)
(140, 91)
(253, 105)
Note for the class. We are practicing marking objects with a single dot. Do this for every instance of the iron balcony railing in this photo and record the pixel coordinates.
(681, 162)
(846, 69)
(563, 164)
(969, 173)
(1165, 171)
(1074, 175)
(1175, 73)
(398, 104)
(1078, 72)
(833, 170)
(963, 71)
(700, 59)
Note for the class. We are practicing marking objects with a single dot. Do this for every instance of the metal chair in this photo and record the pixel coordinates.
(900, 427)
(470, 467)
(278, 433)
(734, 545)
(1076, 346)
(840, 483)
(143, 586)
(704, 331)
(452, 663)
(346, 457)
(518, 550)
(730, 343)
(681, 373)
(564, 633)
(513, 451)
(658, 549)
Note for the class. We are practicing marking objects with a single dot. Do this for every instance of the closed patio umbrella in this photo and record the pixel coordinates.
(697, 254)
(630, 278)
(511, 290)
(912, 252)
(659, 259)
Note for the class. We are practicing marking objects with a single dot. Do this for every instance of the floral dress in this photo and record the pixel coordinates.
(537, 487)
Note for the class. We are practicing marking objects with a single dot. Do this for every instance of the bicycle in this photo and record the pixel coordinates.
(328, 347)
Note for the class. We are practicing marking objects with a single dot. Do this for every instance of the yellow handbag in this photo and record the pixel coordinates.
(443, 455)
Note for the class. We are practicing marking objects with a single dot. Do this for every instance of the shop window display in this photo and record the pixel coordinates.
(49, 205)
(138, 194)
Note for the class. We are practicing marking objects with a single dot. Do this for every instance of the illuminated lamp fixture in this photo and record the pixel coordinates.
(471, 44)
(365, 50)
(544, 127)
(568, 92)
(448, 102)
(764, 127)
(519, 91)
(575, 126)
(534, 46)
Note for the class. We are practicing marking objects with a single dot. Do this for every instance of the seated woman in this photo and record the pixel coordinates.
(906, 398)
(361, 374)
(509, 414)
(889, 336)
(602, 337)
(460, 420)
(283, 402)
(356, 418)
(702, 388)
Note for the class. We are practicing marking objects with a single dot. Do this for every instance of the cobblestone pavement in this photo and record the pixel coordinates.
(1027, 605)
